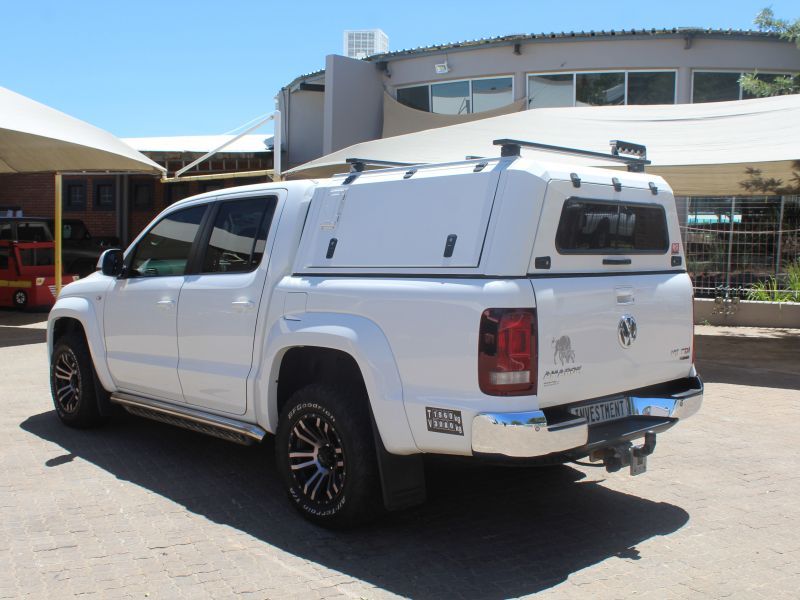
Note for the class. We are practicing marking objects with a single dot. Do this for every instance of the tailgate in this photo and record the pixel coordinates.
(614, 302)
(608, 334)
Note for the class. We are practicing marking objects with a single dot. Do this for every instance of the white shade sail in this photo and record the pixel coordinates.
(700, 149)
(36, 138)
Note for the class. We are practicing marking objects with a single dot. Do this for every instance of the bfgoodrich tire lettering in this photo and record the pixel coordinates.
(72, 382)
(326, 456)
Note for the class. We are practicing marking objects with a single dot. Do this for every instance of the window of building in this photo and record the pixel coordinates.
(164, 250)
(657, 87)
(239, 235)
(547, 90)
(715, 87)
(451, 98)
(768, 77)
(105, 195)
(459, 97)
(74, 195)
(720, 86)
(142, 194)
(5, 231)
(599, 89)
(489, 94)
(602, 227)
(415, 97)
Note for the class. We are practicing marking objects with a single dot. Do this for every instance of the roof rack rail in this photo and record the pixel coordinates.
(636, 162)
(357, 165)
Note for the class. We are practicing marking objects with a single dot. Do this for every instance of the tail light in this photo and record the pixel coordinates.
(507, 354)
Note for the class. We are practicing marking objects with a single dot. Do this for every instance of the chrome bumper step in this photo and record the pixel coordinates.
(190, 418)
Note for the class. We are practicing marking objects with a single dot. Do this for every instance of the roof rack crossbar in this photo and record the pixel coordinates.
(357, 165)
(635, 163)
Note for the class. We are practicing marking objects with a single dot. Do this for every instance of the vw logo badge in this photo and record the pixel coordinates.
(626, 331)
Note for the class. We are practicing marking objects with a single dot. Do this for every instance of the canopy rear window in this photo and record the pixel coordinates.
(608, 227)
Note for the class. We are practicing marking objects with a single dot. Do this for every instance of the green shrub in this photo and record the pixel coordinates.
(769, 291)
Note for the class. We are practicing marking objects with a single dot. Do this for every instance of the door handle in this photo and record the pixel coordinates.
(165, 304)
(242, 305)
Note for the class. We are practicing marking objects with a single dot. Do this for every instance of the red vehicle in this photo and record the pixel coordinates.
(27, 274)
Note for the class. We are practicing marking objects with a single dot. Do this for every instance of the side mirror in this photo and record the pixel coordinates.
(110, 262)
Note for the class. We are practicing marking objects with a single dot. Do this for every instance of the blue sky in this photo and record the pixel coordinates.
(181, 67)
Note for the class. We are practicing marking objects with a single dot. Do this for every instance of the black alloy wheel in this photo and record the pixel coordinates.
(66, 381)
(73, 383)
(317, 460)
(325, 453)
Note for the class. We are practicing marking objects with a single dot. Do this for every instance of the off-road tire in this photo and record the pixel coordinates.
(73, 383)
(331, 426)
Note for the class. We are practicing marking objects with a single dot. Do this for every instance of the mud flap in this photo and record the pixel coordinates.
(402, 477)
(104, 405)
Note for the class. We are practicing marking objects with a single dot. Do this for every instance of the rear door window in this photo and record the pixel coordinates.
(239, 235)
(608, 227)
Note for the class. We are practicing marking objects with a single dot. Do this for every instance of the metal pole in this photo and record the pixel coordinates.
(276, 145)
(730, 243)
(780, 238)
(118, 206)
(57, 232)
(223, 146)
(125, 212)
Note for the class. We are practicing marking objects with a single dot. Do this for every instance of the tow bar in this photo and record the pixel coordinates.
(627, 455)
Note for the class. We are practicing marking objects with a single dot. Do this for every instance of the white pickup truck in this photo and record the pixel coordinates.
(377, 316)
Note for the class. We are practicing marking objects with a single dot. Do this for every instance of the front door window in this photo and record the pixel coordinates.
(164, 250)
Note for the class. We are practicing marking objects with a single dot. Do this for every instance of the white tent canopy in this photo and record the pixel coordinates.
(37, 138)
(701, 149)
(202, 143)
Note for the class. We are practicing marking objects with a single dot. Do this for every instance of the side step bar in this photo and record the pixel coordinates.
(190, 418)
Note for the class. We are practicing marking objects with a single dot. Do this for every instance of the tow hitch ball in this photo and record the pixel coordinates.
(628, 455)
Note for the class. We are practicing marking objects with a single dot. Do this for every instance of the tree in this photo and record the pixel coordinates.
(772, 85)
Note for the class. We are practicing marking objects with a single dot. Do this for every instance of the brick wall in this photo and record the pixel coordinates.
(35, 193)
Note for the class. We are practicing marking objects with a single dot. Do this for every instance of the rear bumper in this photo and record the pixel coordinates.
(556, 431)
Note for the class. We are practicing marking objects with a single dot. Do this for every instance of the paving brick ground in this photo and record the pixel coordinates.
(142, 510)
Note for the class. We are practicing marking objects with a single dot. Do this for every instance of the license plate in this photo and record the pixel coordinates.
(602, 412)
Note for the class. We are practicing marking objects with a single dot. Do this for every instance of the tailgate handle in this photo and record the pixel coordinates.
(616, 261)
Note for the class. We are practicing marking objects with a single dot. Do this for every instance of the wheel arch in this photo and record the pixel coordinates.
(75, 313)
(358, 339)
